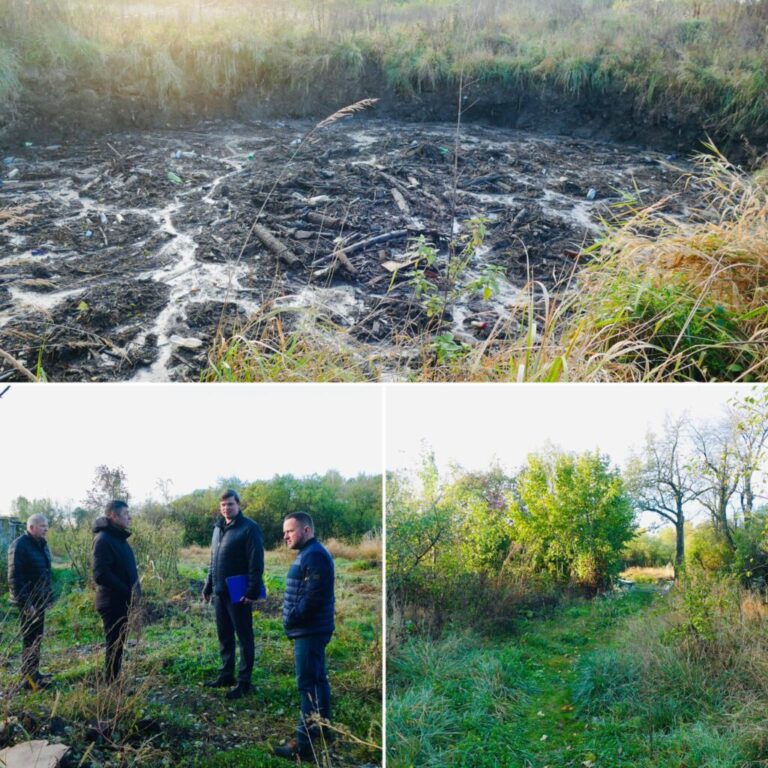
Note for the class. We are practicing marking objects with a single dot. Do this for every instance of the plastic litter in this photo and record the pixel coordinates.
(103, 218)
(12, 174)
(592, 194)
(88, 233)
(179, 154)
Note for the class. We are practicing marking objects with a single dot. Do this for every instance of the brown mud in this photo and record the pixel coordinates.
(123, 256)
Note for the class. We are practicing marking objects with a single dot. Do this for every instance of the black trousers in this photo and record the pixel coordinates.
(115, 621)
(234, 620)
(32, 629)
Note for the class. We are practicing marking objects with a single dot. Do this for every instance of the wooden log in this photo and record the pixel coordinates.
(400, 200)
(324, 221)
(281, 251)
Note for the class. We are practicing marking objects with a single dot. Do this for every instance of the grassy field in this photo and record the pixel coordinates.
(162, 716)
(677, 62)
(612, 682)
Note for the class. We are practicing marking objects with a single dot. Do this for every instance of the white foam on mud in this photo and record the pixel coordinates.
(40, 302)
(190, 282)
(579, 212)
(15, 240)
(340, 300)
(363, 138)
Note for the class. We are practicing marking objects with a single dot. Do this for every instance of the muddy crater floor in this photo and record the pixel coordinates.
(123, 257)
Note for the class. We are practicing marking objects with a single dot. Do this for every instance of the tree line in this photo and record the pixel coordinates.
(345, 508)
(484, 546)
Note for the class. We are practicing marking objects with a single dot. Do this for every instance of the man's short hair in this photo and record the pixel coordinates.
(302, 518)
(115, 507)
(36, 520)
(230, 494)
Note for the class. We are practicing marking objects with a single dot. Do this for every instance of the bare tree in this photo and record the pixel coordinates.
(108, 484)
(749, 425)
(719, 470)
(661, 480)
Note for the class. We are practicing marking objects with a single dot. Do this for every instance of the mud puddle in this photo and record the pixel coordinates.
(123, 258)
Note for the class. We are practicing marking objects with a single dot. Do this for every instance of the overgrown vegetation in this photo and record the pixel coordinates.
(344, 508)
(658, 669)
(484, 548)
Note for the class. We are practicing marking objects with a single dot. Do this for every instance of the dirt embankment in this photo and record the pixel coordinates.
(57, 108)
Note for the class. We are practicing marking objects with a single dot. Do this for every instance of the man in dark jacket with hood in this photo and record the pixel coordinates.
(117, 580)
(30, 583)
(237, 549)
(308, 619)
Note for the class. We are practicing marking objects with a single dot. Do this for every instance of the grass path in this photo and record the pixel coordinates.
(510, 701)
(551, 724)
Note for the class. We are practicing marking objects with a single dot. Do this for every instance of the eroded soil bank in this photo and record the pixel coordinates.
(123, 255)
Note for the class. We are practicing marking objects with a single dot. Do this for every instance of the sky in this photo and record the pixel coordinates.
(473, 425)
(54, 436)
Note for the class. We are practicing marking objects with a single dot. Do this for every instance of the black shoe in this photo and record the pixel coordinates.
(238, 691)
(220, 682)
(291, 751)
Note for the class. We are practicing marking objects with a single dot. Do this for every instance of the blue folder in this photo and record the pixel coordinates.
(236, 585)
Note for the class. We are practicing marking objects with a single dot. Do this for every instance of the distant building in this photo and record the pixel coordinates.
(10, 528)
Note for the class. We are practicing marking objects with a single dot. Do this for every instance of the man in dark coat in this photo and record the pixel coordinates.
(30, 583)
(308, 619)
(117, 580)
(237, 549)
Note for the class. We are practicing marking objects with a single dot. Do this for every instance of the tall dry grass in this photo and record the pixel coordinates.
(369, 548)
(663, 298)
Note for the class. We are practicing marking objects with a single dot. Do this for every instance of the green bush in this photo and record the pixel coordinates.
(750, 556)
(707, 550)
(157, 550)
(648, 551)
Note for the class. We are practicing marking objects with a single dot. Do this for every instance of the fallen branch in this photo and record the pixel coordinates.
(400, 200)
(12, 361)
(281, 251)
(398, 234)
(340, 257)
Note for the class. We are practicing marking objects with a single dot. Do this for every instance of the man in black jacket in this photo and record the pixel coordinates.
(237, 549)
(308, 619)
(30, 583)
(117, 580)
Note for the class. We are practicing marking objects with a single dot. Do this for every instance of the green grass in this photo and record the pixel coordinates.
(569, 690)
(164, 716)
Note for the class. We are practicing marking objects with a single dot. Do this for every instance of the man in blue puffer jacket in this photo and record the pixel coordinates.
(308, 610)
